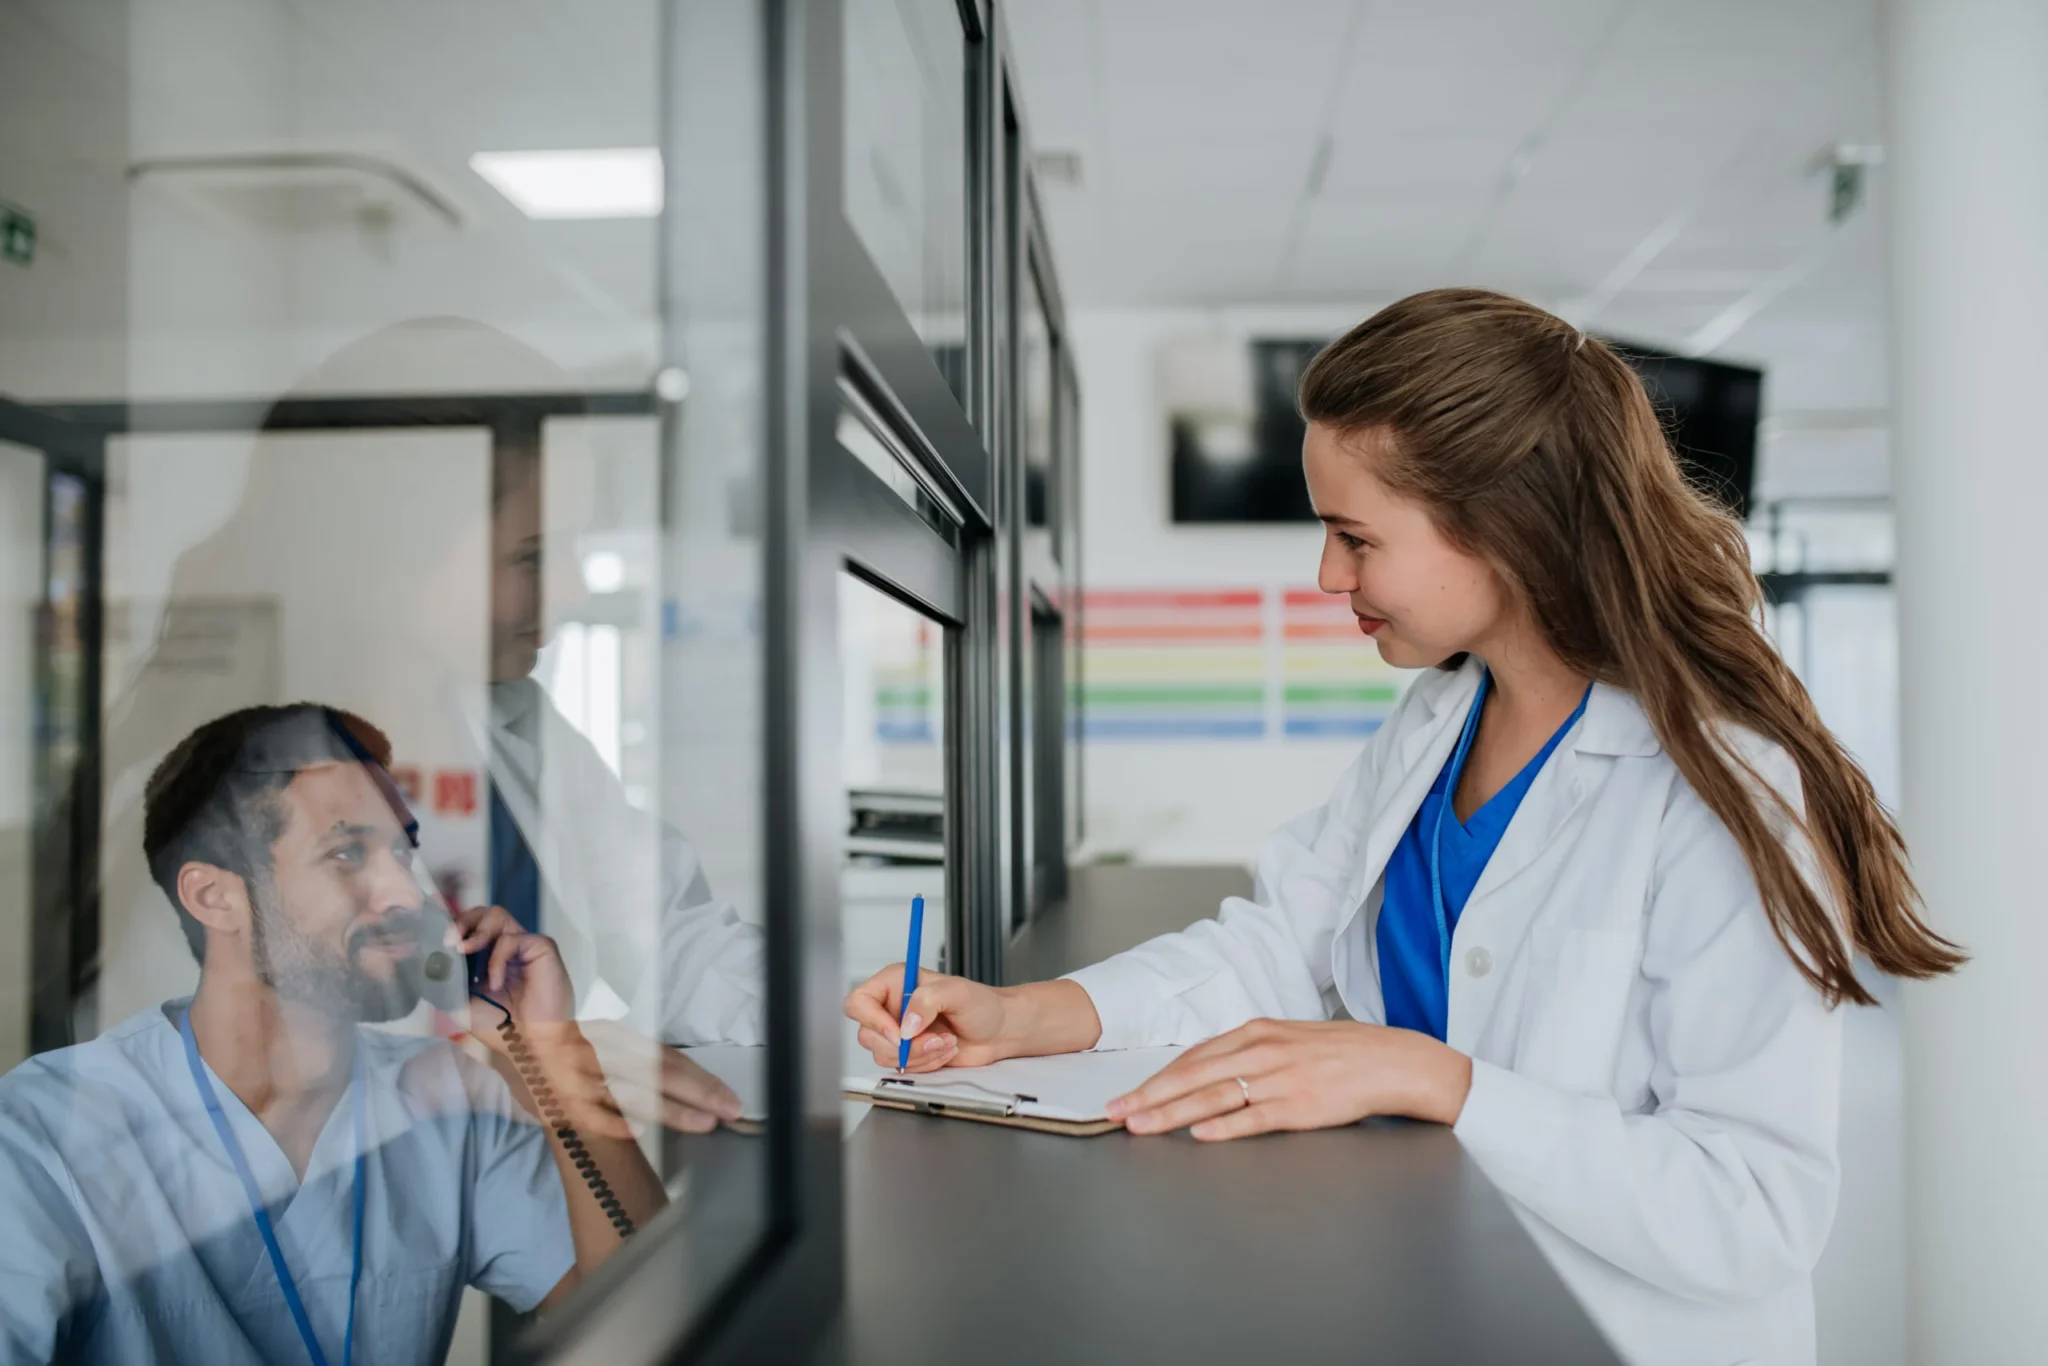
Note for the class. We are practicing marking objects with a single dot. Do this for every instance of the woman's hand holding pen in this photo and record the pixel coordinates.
(1299, 1074)
(953, 1022)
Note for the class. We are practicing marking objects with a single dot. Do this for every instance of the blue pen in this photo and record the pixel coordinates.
(910, 973)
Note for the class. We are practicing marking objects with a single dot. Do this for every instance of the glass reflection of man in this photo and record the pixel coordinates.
(565, 840)
(252, 1176)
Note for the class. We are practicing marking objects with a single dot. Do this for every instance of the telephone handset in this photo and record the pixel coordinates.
(439, 967)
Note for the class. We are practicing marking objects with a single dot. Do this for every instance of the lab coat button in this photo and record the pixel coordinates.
(1478, 962)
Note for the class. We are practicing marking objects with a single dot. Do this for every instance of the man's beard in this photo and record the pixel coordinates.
(300, 970)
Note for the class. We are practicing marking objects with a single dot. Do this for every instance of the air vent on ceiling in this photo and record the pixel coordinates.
(1058, 168)
(300, 192)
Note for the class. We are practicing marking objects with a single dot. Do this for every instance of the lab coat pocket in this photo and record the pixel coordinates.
(1577, 1005)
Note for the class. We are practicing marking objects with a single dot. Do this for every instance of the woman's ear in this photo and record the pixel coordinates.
(215, 897)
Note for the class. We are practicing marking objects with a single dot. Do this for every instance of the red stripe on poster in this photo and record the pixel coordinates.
(1315, 600)
(1096, 631)
(1112, 598)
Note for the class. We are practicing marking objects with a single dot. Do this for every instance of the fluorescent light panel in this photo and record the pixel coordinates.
(593, 182)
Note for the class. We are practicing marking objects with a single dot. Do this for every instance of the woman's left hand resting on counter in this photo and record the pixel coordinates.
(1301, 1075)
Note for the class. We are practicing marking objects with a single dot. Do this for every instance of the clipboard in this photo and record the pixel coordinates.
(1063, 1094)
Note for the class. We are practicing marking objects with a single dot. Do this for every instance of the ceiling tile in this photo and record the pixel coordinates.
(1530, 145)
(1176, 66)
(1478, 65)
(1055, 44)
(1264, 168)
(1394, 162)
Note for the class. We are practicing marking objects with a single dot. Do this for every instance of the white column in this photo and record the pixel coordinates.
(1967, 173)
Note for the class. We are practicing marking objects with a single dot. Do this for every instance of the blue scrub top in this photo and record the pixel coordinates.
(1413, 981)
(129, 1237)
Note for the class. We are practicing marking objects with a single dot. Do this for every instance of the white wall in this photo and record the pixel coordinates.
(1967, 141)
(1165, 801)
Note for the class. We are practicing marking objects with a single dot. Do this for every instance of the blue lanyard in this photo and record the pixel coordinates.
(1436, 834)
(256, 1207)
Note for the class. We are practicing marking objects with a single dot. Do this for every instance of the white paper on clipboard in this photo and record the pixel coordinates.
(1069, 1087)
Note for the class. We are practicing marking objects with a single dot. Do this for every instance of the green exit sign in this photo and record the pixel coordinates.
(17, 235)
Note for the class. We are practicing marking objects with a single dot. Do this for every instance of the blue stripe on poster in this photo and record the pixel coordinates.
(1333, 725)
(1172, 728)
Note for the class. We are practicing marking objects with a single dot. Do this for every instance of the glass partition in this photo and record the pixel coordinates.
(905, 168)
(431, 439)
(407, 556)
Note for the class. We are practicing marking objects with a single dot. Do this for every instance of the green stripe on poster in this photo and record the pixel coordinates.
(903, 697)
(1343, 692)
(1249, 694)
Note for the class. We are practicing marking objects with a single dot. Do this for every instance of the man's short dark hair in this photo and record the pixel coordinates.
(213, 799)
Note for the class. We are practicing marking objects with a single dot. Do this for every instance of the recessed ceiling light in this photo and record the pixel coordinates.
(604, 571)
(595, 182)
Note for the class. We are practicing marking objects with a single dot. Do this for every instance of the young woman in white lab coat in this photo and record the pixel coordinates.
(1624, 1007)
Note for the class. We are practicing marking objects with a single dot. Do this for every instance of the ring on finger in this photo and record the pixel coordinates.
(1245, 1087)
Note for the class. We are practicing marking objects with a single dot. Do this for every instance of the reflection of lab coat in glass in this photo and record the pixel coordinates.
(622, 893)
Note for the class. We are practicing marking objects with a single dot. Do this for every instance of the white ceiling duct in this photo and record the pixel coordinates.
(300, 192)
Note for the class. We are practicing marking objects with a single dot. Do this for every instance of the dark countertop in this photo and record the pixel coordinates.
(1381, 1242)
(1112, 906)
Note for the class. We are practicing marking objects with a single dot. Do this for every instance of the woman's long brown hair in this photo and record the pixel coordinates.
(1537, 449)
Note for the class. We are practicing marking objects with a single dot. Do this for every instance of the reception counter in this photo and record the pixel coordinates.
(974, 1243)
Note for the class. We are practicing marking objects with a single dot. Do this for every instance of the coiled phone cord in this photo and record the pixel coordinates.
(552, 1115)
(558, 1121)
(438, 966)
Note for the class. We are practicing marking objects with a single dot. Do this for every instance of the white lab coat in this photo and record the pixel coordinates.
(623, 893)
(1654, 1086)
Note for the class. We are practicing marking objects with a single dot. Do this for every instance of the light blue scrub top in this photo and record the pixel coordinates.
(125, 1235)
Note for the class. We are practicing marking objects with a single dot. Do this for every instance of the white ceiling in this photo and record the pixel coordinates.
(162, 286)
(1646, 167)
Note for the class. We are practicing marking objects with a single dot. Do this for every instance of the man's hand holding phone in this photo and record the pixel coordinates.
(523, 972)
(602, 1070)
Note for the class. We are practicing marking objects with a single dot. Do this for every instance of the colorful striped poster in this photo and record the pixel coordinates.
(1174, 664)
(1259, 663)
(1334, 681)
(909, 673)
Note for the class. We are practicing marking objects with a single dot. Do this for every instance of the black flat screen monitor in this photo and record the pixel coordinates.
(1223, 472)
(1710, 410)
